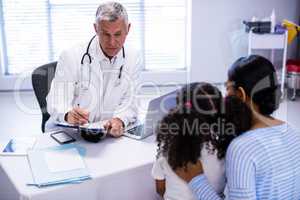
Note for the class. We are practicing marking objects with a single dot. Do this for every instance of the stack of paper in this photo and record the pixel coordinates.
(95, 126)
(57, 165)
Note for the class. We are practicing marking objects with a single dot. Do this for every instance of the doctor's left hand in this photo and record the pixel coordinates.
(115, 127)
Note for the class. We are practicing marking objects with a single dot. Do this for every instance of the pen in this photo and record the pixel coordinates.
(79, 100)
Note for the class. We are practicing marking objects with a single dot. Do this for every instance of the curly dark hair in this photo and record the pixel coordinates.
(237, 114)
(184, 130)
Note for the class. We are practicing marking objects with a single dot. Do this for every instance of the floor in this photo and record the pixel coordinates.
(21, 114)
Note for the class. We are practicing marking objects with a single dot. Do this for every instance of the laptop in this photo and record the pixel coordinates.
(157, 109)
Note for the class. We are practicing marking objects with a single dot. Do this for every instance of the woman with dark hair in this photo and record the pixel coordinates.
(264, 162)
(184, 136)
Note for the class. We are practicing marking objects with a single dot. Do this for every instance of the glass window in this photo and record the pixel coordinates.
(34, 32)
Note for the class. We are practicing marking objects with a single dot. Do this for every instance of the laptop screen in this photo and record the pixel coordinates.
(157, 109)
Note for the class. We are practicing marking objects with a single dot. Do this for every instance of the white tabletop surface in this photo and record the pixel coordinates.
(120, 169)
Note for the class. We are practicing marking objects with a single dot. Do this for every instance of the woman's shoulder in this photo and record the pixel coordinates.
(242, 142)
(245, 145)
(257, 139)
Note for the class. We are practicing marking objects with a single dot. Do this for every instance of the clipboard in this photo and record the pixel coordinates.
(92, 127)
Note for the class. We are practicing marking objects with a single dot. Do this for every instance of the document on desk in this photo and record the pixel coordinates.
(57, 166)
(65, 160)
(66, 125)
(95, 126)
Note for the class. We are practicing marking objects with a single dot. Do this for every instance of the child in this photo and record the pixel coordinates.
(183, 137)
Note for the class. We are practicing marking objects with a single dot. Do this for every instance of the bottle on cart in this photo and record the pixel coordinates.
(273, 21)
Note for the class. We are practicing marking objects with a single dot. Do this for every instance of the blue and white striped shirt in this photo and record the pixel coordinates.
(260, 164)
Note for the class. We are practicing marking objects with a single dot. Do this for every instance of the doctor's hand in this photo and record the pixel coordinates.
(114, 127)
(190, 171)
(77, 116)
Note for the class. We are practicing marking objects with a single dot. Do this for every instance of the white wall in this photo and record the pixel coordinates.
(212, 24)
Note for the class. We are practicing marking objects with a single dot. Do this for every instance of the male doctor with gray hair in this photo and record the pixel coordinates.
(96, 81)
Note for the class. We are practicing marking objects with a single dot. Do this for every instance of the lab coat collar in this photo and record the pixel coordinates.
(116, 61)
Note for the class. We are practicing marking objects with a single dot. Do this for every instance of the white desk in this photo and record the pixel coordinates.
(120, 169)
(271, 41)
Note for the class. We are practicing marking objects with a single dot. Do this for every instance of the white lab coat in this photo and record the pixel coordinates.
(105, 96)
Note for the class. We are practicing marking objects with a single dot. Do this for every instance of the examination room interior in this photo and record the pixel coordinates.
(181, 41)
(214, 37)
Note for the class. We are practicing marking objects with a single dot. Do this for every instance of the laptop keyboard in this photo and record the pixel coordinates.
(137, 130)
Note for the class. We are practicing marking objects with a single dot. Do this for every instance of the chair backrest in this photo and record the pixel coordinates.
(41, 83)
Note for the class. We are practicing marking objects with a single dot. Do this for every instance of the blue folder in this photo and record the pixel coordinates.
(43, 177)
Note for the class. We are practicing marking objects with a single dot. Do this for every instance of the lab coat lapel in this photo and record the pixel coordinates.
(112, 91)
(108, 96)
(111, 97)
(97, 79)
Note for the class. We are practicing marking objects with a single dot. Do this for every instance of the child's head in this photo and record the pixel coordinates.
(199, 117)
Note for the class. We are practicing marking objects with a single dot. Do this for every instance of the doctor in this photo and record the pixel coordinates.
(96, 81)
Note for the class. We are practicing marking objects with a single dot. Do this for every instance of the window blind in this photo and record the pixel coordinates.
(36, 31)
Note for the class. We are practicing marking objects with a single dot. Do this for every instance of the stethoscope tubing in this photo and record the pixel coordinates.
(88, 55)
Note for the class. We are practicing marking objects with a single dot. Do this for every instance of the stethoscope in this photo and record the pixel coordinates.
(88, 55)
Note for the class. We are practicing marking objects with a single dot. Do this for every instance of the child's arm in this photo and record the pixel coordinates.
(159, 176)
(160, 187)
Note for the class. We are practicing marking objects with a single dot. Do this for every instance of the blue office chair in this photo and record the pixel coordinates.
(41, 83)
